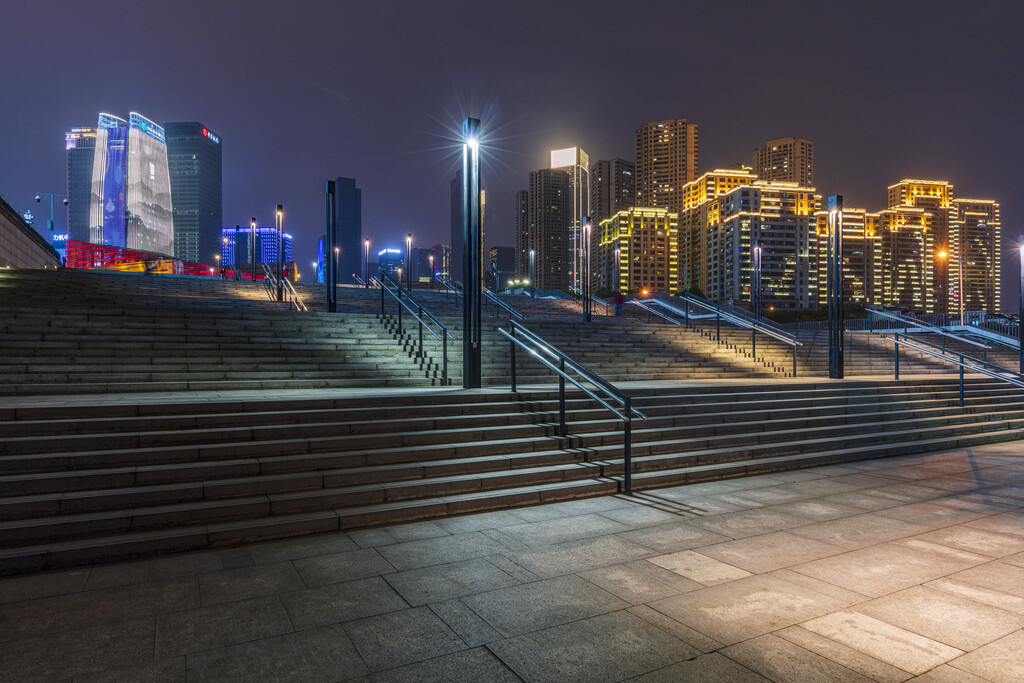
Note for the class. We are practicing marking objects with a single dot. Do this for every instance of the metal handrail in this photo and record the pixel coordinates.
(959, 359)
(908, 321)
(270, 284)
(642, 305)
(577, 290)
(488, 294)
(389, 286)
(736, 318)
(539, 348)
(293, 296)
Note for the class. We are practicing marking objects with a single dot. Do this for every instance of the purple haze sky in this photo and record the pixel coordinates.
(306, 90)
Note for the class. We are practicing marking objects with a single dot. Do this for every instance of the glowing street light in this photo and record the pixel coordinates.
(217, 257)
(472, 248)
(280, 252)
(408, 257)
(252, 252)
(960, 278)
(366, 262)
(533, 275)
(586, 271)
(755, 286)
(431, 257)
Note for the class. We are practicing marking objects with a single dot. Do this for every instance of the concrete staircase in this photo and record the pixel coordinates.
(84, 482)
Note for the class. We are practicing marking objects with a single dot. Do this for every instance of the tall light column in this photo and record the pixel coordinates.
(616, 285)
(533, 275)
(471, 338)
(431, 271)
(408, 260)
(280, 252)
(366, 263)
(330, 271)
(960, 275)
(586, 270)
(835, 287)
(755, 285)
(252, 252)
(1020, 305)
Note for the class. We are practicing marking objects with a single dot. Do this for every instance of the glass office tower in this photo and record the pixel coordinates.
(194, 162)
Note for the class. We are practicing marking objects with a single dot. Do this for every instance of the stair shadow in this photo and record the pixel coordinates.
(668, 505)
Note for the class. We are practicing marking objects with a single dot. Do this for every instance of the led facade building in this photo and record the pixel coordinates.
(666, 159)
(80, 144)
(612, 188)
(974, 236)
(130, 202)
(390, 261)
(576, 163)
(935, 197)
(646, 241)
(195, 165)
(861, 256)
(907, 254)
(789, 160)
(237, 246)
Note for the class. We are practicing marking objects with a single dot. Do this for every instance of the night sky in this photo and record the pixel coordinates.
(307, 90)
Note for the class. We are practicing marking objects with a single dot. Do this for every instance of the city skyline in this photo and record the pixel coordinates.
(294, 122)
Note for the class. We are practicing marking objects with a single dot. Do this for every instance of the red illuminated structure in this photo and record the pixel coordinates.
(86, 255)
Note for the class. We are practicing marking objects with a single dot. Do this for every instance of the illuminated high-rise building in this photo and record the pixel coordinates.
(576, 163)
(549, 213)
(666, 159)
(80, 144)
(861, 256)
(237, 246)
(974, 236)
(612, 188)
(644, 240)
(349, 219)
(521, 224)
(935, 197)
(788, 160)
(130, 202)
(699, 213)
(906, 258)
(194, 163)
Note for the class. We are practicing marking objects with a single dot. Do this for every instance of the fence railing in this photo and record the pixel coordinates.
(426, 320)
(602, 391)
(963, 361)
(289, 294)
(456, 288)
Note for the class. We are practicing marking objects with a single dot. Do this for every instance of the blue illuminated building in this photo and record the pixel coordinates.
(390, 260)
(236, 246)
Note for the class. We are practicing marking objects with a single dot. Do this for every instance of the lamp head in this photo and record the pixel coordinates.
(37, 198)
(65, 201)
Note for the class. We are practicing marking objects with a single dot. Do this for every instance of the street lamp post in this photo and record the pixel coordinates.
(330, 240)
(471, 252)
(755, 286)
(615, 270)
(835, 287)
(366, 263)
(334, 274)
(280, 252)
(217, 257)
(431, 271)
(586, 270)
(533, 275)
(408, 258)
(960, 278)
(1020, 304)
(51, 197)
(252, 252)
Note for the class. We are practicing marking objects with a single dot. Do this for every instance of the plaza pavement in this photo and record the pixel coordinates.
(879, 570)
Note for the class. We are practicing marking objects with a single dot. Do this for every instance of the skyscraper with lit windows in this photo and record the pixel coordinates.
(666, 159)
(194, 162)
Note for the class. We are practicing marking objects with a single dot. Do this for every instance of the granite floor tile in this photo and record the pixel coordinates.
(466, 623)
(93, 608)
(666, 538)
(230, 585)
(816, 510)
(608, 647)
(860, 531)
(204, 628)
(448, 581)
(997, 576)
(699, 568)
(305, 546)
(986, 596)
(710, 668)
(676, 629)
(578, 556)
(117, 574)
(537, 513)
(956, 621)
(639, 582)
(43, 584)
(901, 648)
(345, 566)
(468, 666)
(170, 670)
(882, 569)
(478, 522)
(533, 606)
(932, 514)
(387, 641)
(749, 522)
(990, 543)
(947, 674)
(319, 654)
(746, 608)
(854, 660)
(588, 506)
(759, 554)
(338, 602)
(998, 661)
(1005, 523)
(441, 550)
(185, 564)
(416, 531)
(370, 538)
(563, 529)
(640, 516)
(64, 655)
(784, 662)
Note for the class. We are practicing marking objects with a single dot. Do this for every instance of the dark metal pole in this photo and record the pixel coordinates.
(586, 270)
(280, 252)
(896, 355)
(330, 274)
(512, 357)
(835, 287)
(366, 263)
(408, 259)
(252, 234)
(755, 288)
(627, 446)
(561, 399)
(471, 251)
(961, 381)
(533, 277)
(1020, 304)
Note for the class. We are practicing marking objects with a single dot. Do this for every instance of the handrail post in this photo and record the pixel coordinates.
(961, 381)
(753, 344)
(444, 346)
(512, 358)
(896, 354)
(627, 445)
(718, 326)
(420, 309)
(398, 300)
(561, 398)
(794, 360)
(382, 300)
